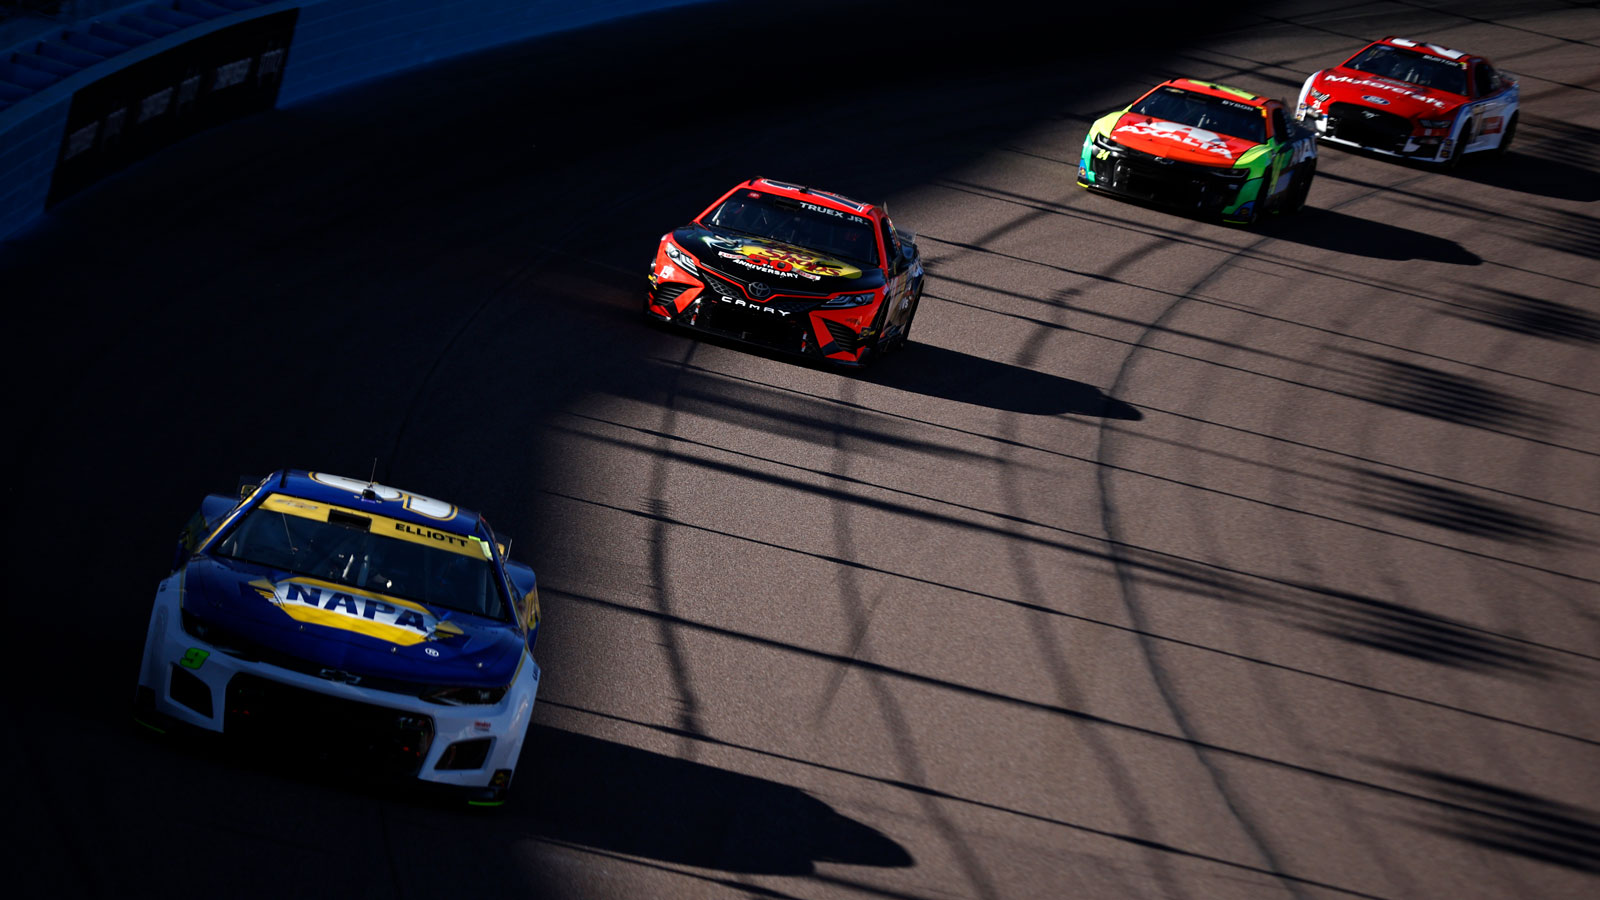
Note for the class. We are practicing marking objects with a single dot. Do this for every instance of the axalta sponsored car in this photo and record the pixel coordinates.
(384, 630)
(1412, 99)
(792, 269)
(1203, 147)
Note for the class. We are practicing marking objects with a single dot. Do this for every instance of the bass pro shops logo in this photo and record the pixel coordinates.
(1186, 135)
(773, 259)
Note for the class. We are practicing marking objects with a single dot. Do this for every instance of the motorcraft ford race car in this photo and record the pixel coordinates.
(792, 269)
(1203, 147)
(1416, 100)
(385, 629)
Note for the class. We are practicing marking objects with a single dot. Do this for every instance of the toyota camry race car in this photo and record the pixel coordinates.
(329, 616)
(1407, 98)
(792, 269)
(1203, 147)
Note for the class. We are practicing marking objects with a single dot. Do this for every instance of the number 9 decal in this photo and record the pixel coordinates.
(194, 658)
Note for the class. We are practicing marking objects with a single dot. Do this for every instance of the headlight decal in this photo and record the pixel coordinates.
(847, 301)
(684, 260)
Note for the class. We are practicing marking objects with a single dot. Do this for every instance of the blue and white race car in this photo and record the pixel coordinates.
(388, 626)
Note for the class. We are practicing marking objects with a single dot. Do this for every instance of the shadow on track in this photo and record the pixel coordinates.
(1363, 621)
(1508, 820)
(1535, 175)
(1326, 229)
(609, 796)
(1448, 508)
(953, 375)
(1529, 315)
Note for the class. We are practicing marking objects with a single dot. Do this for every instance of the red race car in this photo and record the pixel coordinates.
(1412, 99)
(793, 269)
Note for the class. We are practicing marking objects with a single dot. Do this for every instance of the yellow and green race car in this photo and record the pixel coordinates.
(1202, 147)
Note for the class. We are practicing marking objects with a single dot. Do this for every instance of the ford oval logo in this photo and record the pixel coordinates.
(759, 291)
(1378, 100)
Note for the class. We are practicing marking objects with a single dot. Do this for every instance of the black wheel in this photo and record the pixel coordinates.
(1300, 188)
(1505, 139)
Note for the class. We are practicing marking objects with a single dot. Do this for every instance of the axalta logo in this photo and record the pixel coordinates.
(1186, 135)
(398, 621)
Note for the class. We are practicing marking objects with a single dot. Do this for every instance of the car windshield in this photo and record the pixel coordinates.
(428, 565)
(1230, 117)
(807, 225)
(1412, 67)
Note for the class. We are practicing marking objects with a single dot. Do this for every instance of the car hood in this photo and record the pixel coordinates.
(784, 268)
(1400, 97)
(275, 614)
(1174, 140)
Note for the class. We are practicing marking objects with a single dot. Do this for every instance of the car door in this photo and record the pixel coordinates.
(1492, 106)
(897, 294)
(1278, 174)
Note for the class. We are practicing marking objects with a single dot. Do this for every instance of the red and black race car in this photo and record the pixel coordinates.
(793, 269)
(1412, 99)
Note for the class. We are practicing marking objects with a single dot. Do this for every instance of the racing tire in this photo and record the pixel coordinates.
(1505, 139)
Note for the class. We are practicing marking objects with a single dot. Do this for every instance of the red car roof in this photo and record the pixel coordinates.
(1212, 89)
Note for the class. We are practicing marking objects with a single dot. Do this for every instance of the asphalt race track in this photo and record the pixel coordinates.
(1170, 560)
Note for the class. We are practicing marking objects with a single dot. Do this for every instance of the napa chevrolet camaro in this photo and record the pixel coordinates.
(382, 631)
(793, 269)
(1412, 99)
(1204, 148)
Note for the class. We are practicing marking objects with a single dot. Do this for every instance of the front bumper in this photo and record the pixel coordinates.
(1210, 190)
(789, 323)
(473, 749)
(1387, 139)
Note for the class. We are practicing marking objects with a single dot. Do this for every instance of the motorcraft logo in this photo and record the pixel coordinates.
(1177, 133)
(1391, 87)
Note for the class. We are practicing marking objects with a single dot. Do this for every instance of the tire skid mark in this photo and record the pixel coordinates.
(1127, 583)
(991, 437)
(896, 725)
(796, 484)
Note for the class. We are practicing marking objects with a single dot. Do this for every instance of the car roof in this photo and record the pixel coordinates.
(1426, 48)
(358, 493)
(811, 195)
(1212, 89)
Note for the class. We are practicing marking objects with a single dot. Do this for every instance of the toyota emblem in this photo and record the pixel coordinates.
(759, 291)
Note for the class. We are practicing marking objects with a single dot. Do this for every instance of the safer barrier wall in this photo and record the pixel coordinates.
(336, 43)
